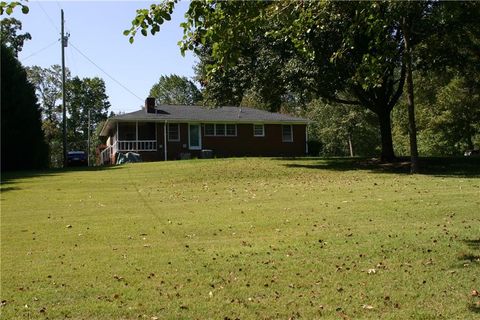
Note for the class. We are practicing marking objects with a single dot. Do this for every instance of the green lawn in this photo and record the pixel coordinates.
(241, 238)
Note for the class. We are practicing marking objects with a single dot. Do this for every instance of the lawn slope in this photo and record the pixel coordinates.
(239, 238)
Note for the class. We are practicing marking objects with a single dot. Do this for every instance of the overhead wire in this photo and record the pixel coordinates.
(106, 73)
(38, 51)
(48, 16)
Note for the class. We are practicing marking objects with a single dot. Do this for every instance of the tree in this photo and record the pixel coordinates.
(23, 145)
(331, 49)
(342, 130)
(84, 96)
(9, 6)
(9, 36)
(48, 86)
(447, 114)
(176, 90)
(356, 53)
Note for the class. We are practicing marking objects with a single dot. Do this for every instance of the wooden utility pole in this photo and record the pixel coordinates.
(64, 106)
(88, 139)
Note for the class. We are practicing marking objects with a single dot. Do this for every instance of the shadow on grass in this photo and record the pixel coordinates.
(473, 244)
(10, 177)
(442, 167)
(474, 307)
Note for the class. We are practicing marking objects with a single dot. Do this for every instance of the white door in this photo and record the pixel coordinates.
(194, 137)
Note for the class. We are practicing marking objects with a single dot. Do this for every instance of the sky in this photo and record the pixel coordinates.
(96, 34)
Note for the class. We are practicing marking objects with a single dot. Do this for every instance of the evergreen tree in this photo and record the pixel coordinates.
(23, 144)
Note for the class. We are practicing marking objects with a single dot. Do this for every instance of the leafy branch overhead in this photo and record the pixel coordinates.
(150, 19)
(8, 7)
(355, 53)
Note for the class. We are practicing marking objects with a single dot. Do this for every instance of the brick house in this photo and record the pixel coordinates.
(168, 132)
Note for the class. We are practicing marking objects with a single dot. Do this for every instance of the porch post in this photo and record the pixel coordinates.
(165, 139)
(136, 136)
(116, 140)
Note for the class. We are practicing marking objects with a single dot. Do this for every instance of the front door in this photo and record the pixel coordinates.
(194, 137)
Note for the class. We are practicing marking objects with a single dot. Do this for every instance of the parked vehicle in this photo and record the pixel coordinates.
(77, 158)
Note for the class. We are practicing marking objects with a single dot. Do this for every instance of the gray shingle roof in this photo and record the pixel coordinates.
(195, 113)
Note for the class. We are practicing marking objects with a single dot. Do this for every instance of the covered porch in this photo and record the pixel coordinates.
(131, 137)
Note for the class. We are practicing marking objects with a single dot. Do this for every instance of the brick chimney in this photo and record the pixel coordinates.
(150, 105)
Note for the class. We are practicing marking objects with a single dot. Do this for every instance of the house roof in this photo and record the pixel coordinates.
(177, 113)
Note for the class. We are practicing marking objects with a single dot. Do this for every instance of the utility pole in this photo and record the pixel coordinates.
(64, 43)
(88, 140)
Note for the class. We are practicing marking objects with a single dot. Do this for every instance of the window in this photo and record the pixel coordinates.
(219, 129)
(231, 129)
(210, 129)
(287, 133)
(173, 132)
(258, 130)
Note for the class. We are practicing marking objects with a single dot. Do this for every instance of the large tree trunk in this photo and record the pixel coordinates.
(386, 136)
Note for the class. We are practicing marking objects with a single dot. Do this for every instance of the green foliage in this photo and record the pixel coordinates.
(8, 7)
(84, 95)
(447, 112)
(81, 95)
(176, 90)
(335, 127)
(347, 52)
(150, 19)
(9, 36)
(23, 145)
(48, 86)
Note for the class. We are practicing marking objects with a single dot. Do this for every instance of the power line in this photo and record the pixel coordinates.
(37, 52)
(48, 17)
(118, 82)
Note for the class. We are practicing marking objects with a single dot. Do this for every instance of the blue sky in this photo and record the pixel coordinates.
(96, 30)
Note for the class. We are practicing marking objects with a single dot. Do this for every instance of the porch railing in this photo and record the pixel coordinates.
(137, 145)
(126, 146)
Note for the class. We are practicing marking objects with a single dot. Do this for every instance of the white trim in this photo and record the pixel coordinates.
(199, 136)
(111, 122)
(226, 130)
(263, 130)
(215, 130)
(205, 131)
(136, 133)
(291, 131)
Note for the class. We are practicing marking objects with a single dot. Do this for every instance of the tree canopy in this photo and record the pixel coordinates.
(348, 52)
(23, 145)
(176, 90)
(9, 34)
(82, 95)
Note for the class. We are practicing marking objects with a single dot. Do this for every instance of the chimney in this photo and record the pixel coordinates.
(150, 105)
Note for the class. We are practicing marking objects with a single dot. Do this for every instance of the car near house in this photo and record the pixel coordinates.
(77, 158)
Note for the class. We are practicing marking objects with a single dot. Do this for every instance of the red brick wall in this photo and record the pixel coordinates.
(244, 144)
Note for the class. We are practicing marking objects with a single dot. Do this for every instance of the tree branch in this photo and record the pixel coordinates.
(401, 82)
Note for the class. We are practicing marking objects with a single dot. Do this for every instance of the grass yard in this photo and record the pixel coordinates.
(242, 239)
